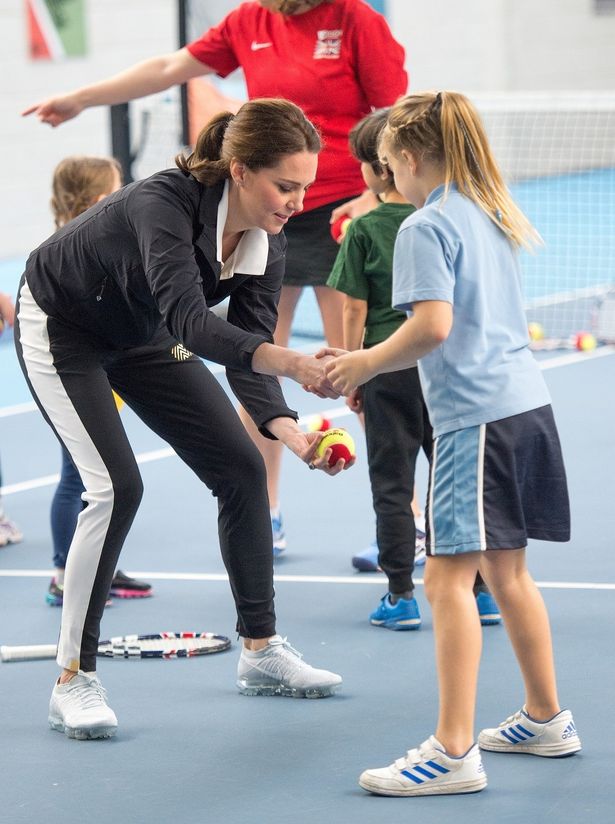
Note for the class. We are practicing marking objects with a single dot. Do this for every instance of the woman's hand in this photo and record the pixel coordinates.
(305, 444)
(308, 370)
(314, 378)
(56, 110)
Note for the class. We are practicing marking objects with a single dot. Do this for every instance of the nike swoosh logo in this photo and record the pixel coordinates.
(256, 46)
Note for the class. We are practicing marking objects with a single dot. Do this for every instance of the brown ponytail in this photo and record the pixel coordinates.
(259, 135)
(444, 128)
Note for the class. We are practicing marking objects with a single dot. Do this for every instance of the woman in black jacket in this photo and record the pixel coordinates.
(120, 298)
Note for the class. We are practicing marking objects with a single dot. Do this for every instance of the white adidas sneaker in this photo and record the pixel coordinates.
(428, 770)
(79, 708)
(554, 738)
(278, 669)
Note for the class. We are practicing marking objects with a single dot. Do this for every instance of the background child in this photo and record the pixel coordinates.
(78, 183)
(9, 531)
(497, 477)
(396, 418)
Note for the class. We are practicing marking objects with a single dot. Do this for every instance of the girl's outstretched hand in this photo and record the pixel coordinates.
(348, 371)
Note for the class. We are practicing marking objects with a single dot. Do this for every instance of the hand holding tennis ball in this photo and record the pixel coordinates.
(340, 443)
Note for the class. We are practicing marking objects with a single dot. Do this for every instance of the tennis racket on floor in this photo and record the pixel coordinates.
(159, 645)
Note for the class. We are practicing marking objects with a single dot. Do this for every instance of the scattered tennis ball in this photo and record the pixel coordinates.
(535, 331)
(318, 424)
(585, 341)
(339, 442)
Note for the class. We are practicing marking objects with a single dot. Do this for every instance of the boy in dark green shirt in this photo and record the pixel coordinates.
(396, 419)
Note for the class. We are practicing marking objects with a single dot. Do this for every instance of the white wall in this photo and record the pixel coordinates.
(506, 45)
(119, 32)
(472, 46)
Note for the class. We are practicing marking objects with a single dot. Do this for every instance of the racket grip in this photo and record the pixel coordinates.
(28, 653)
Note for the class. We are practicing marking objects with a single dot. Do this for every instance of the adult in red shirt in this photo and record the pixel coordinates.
(336, 59)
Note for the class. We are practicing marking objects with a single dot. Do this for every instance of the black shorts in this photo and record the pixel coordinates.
(311, 250)
(495, 485)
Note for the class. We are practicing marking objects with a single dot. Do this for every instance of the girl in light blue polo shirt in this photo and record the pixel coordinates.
(497, 477)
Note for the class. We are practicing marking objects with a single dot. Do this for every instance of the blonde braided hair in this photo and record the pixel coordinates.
(444, 128)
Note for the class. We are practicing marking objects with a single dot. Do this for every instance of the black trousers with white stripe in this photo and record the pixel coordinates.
(71, 375)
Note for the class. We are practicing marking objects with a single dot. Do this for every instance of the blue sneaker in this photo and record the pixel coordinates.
(488, 609)
(279, 536)
(403, 615)
(367, 561)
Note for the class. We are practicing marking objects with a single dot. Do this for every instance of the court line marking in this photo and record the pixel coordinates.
(331, 414)
(147, 457)
(216, 369)
(371, 579)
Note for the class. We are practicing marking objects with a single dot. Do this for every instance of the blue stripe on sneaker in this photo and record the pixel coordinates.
(424, 772)
(414, 778)
(508, 737)
(435, 766)
(517, 736)
(526, 732)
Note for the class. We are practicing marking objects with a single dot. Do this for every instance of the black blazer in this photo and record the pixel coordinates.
(146, 256)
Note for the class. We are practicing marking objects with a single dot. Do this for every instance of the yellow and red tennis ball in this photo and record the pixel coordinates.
(585, 341)
(339, 227)
(318, 424)
(339, 442)
(535, 331)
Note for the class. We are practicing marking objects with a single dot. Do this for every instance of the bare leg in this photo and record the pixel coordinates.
(448, 587)
(331, 303)
(527, 624)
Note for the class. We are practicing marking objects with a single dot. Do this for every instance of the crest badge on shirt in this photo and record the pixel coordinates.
(328, 44)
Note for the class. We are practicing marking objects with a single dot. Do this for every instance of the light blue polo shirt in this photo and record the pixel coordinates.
(450, 251)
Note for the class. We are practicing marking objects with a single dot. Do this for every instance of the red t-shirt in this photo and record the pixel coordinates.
(336, 61)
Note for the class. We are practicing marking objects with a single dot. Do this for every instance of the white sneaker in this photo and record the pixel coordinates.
(80, 710)
(428, 770)
(554, 738)
(9, 532)
(279, 670)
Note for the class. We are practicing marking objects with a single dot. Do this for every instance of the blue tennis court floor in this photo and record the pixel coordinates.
(191, 749)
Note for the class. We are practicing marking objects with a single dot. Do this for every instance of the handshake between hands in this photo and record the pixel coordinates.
(334, 372)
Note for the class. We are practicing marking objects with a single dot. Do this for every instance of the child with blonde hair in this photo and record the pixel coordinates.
(79, 182)
(497, 476)
(396, 420)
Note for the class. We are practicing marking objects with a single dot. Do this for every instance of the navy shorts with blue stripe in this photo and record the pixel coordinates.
(495, 485)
